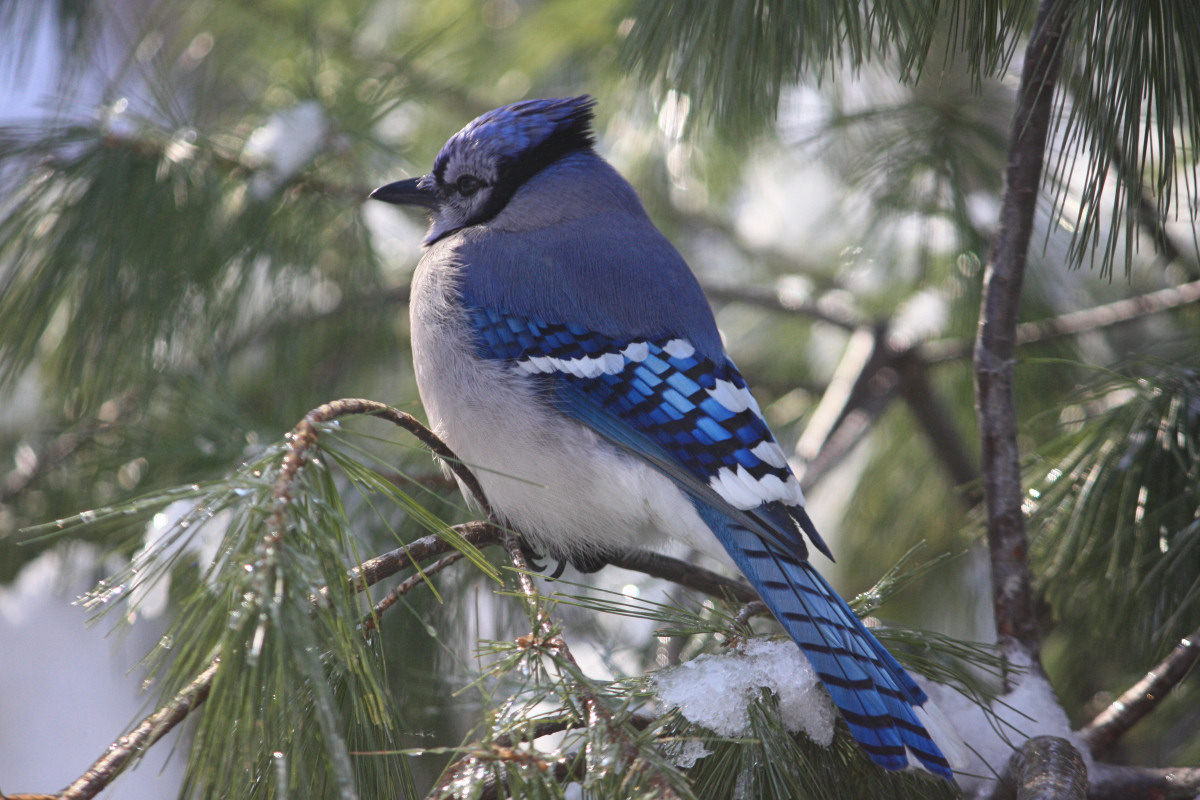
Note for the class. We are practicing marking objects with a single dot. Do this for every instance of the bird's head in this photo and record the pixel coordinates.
(482, 166)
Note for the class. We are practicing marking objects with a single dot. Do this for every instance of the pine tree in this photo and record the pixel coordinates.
(189, 278)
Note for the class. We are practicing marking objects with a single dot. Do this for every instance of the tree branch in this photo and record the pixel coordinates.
(937, 422)
(300, 442)
(863, 385)
(1045, 768)
(1077, 322)
(684, 574)
(774, 299)
(996, 340)
(1111, 782)
(145, 734)
(1140, 699)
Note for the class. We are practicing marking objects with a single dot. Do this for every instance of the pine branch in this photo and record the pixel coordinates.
(301, 441)
(63, 447)
(1146, 213)
(118, 755)
(598, 713)
(1140, 699)
(996, 342)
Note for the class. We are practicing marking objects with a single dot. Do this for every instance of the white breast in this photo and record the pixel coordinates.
(555, 480)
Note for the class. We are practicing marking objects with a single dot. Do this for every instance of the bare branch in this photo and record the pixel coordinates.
(863, 385)
(407, 585)
(775, 299)
(937, 422)
(685, 574)
(1143, 697)
(1077, 322)
(373, 570)
(996, 341)
(854, 367)
(147, 732)
(1111, 782)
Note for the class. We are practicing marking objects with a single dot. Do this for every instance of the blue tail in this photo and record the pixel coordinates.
(873, 692)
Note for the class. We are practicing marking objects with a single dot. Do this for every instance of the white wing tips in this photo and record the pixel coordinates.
(743, 491)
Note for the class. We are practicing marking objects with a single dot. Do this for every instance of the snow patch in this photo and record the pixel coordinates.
(1030, 709)
(289, 140)
(714, 691)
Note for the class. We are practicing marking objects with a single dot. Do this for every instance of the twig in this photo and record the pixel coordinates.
(996, 341)
(373, 570)
(598, 713)
(1140, 699)
(688, 575)
(1077, 322)
(147, 732)
(407, 585)
(741, 623)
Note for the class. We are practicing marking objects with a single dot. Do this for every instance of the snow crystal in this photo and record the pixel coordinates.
(686, 752)
(714, 691)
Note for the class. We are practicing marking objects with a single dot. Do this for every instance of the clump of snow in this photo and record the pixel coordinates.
(290, 139)
(714, 691)
(1029, 709)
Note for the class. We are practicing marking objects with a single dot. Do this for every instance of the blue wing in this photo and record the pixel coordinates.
(695, 421)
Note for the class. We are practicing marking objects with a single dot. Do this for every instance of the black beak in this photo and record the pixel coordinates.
(408, 193)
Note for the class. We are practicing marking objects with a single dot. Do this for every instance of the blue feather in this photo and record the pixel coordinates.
(692, 418)
(870, 688)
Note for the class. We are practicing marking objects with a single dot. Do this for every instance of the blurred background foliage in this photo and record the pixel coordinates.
(187, 266)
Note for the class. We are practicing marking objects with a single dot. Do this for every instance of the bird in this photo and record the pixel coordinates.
(565, 351)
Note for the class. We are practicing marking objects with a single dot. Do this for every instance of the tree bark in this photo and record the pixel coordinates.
(996, 340)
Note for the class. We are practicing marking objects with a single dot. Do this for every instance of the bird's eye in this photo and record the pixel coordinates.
(468, 185)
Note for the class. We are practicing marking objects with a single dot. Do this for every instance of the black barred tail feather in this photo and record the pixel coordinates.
(874, 694)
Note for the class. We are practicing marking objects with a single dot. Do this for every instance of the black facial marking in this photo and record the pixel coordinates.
(572, 135)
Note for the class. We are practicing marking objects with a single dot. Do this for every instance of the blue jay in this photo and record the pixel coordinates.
(565, 351)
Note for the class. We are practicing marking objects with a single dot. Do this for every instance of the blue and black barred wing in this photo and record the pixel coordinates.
(695, 420)
(692, 418)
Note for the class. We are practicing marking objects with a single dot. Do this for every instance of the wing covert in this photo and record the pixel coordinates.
(694, 419)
